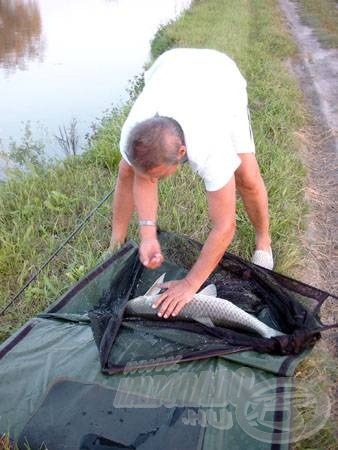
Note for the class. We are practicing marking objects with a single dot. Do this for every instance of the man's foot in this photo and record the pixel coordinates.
(263, 258)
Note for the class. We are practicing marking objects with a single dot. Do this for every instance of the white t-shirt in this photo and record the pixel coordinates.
(205, 93)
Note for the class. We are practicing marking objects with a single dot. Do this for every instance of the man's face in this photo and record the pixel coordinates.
(158, 173)
(164, 170)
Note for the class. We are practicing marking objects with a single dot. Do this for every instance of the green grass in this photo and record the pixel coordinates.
(38, 209)
(322, 16)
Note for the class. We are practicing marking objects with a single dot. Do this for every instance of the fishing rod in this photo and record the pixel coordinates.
(57, 251)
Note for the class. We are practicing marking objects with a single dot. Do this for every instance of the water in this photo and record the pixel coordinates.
(68, 59)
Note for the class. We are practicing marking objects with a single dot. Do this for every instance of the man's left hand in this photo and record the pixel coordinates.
(177, 295)
(150, 253)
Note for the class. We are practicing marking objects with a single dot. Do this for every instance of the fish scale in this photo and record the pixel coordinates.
(208, 309)
(224, 313)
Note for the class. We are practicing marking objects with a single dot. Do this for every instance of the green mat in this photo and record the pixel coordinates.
(234, 399)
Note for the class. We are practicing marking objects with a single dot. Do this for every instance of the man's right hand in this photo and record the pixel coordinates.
(150, 253)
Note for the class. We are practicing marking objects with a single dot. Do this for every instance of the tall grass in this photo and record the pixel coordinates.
(39, 207)
(68, 138)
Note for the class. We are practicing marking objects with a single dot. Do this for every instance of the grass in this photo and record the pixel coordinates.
(320, 370)
(322, 16)
(41, 206)
(68, 138)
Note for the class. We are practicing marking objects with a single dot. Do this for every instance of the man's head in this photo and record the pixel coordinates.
(156, 146)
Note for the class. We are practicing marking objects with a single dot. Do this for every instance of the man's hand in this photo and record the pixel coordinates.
(221, 205)
(177, 295)
(150, 253)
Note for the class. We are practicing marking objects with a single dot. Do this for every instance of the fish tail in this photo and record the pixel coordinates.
(271, 332)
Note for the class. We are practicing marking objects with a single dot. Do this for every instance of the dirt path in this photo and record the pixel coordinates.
(316, 70)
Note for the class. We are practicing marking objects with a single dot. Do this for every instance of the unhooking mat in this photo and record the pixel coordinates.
(232, 386)
(77, 415)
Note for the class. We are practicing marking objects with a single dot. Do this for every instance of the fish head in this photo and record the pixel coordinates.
(144, 300)
(154, 288)
(147, 299)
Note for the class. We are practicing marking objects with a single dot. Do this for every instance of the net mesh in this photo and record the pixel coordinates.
(279, 302)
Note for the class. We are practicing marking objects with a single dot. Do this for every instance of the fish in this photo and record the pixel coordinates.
(205, 307)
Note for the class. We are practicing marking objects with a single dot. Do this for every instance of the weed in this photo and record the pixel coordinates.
(162, 41)
(68, 139)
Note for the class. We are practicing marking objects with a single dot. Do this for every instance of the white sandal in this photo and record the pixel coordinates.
(263, 258)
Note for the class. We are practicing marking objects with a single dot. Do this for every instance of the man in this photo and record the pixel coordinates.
(193, 107)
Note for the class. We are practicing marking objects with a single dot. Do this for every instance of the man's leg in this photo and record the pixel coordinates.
(251, 187)
(123, 204)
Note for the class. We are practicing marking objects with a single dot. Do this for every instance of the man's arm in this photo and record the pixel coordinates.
(221, 206)
(146, 203)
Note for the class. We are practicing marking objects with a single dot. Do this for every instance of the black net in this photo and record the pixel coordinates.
(279, 302)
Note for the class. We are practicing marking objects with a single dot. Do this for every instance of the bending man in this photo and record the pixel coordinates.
(193, 108)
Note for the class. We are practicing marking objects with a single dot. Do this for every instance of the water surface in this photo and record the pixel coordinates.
(69, 59)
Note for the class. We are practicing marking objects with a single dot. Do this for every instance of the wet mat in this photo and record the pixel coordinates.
(76, 415)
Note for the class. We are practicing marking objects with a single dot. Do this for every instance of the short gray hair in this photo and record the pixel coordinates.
(154, 142)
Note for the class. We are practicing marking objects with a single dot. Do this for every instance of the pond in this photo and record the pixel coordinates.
(71, 60)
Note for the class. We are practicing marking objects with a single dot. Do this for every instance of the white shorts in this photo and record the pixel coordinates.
(241, 134)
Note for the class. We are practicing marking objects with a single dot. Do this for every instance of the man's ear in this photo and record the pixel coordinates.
(182, 151)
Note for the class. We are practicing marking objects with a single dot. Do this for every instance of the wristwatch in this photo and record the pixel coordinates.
(147, 223)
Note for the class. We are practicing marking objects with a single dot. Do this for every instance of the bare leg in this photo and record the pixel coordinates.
(123, 204)
(251, 187)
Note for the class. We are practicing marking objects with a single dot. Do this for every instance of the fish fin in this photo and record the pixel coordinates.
(205, 321)
(154, 289)
(209, 290)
